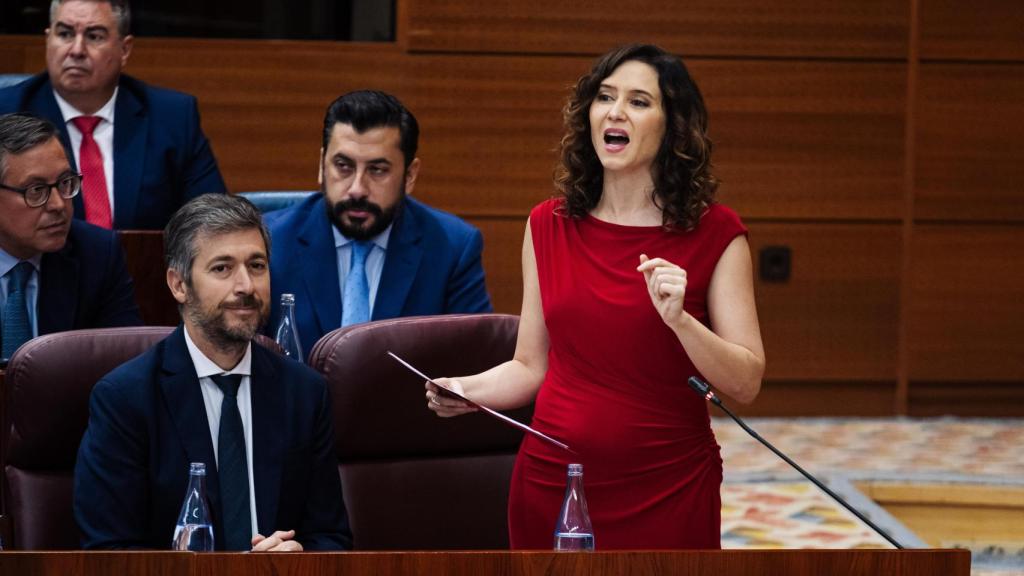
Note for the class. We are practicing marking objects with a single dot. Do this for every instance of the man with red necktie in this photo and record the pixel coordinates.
(140, 149)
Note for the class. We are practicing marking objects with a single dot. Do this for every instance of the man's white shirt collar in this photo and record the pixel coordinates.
(206, 367)
(69, 112)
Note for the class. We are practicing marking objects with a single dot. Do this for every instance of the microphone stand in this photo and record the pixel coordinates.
(704, 389)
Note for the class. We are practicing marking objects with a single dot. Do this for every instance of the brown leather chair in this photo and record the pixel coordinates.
(46, 409)
(412, 480)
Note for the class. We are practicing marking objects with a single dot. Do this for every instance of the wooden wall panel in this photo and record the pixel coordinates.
(263, 102)
(12, 53)
(966, 313)
(977, 30)
(503, 248)
(489, 125)
(810, 139)
(836, 317)
(830, 28)
(794, 139)
(807, 139)
(970, 142)
(780, 398)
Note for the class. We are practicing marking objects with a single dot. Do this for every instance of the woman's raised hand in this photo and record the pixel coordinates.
(666, 284)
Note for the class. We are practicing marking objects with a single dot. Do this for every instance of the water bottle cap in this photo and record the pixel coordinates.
(197, 468)
(287, 298)
(575, 469)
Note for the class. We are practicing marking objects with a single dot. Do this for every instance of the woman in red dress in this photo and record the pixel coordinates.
(634, 279)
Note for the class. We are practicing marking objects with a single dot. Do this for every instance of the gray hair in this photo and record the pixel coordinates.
(20, 132)
(204, 216)
(121, 9)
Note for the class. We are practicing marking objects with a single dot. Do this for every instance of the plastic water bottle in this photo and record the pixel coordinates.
(194, 532)
(573, 530)
(286, 335)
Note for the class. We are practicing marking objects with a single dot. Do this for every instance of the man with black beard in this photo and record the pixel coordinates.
(260, 423)
(364, 249)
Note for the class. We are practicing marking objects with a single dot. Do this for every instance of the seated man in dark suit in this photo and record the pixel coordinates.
(261, 423)
(363, 249)
(140, 148)
(56, 273)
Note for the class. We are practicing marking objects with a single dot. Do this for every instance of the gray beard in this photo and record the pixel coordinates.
(223, 337)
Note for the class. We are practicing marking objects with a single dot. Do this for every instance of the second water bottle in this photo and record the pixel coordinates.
(573, 530)
(287, 333)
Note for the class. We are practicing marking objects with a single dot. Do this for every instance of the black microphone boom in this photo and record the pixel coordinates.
(704, 389)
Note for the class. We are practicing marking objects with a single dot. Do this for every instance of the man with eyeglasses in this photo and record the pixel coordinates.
(56, 273)
(140, 149)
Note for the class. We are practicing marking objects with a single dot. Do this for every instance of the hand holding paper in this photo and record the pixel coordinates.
(443, 402)
(450, 393)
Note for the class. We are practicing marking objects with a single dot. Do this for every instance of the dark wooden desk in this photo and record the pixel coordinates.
(144, 256)
(765, 562)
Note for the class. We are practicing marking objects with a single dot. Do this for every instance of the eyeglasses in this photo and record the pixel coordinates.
(38, 194)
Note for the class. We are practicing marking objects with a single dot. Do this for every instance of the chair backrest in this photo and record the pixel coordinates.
(12, 79)
(46, 409)
(270, 200)
(412, 480)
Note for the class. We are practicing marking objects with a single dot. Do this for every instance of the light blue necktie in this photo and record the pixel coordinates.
(17, 324)
(355, 299)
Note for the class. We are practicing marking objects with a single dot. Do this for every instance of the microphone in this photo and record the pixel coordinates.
(704, 389)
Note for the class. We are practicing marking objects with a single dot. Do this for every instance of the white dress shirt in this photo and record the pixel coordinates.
(213, 397)
(103, 134)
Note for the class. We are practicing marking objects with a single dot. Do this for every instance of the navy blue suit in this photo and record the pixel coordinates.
(162, 159)
(433, 266)
(147, 423)
(85, 284)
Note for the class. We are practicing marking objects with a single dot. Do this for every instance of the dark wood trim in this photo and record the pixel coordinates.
(907, 228)
(683, 563)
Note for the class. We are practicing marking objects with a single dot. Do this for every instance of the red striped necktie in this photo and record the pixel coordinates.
(94, 181)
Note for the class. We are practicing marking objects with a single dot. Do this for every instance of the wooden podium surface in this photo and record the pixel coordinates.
(682, 563)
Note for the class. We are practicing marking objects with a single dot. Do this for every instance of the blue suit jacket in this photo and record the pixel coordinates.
(85, 284)
(147, 423)
(162, 159)
(433, 266)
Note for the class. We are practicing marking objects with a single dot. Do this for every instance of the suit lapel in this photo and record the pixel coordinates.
(44, 104)
(400, 265)
(268, 424)
(57, 302)
(130, 128)
(184, 401)
(318, 268)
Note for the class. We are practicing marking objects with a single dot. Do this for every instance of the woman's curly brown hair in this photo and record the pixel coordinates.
(683, 183)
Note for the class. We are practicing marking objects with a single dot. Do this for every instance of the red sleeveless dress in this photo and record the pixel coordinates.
(616, 391)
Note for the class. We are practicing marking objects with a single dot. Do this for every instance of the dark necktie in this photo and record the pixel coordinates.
(94, 181)
(17, 327)
(355, 300)
(231, 467)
